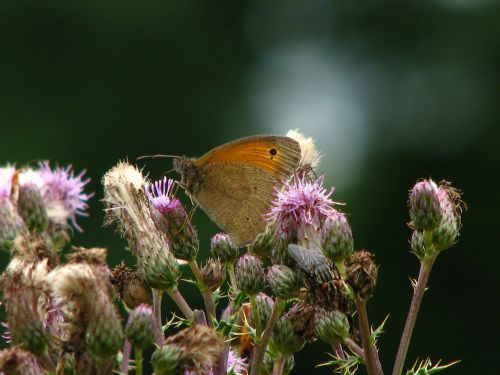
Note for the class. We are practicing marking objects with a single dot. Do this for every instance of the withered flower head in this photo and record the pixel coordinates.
(213, 273)
(128, 206)
(95, 256)
(18, 361)
(361, 273)
(131, 287)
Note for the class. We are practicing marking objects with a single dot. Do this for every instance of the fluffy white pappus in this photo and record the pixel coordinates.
(71, 279)
(124, 173)
(29, 176)
(309, 155)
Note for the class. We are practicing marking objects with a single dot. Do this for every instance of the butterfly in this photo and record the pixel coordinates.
(235, 182)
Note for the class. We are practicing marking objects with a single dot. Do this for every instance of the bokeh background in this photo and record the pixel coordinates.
(392, 91)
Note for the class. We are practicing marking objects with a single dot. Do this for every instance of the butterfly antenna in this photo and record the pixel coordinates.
(189, 217)
(156, 156)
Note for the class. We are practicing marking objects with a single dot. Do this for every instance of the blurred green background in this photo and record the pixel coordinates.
(392, 91)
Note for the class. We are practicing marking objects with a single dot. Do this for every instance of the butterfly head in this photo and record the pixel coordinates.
(190, 174)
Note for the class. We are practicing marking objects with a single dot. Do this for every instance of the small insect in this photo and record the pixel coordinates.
(234, 183)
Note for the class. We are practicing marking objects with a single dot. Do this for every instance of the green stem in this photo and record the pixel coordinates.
(261, 345)
(253, 303)
(423, 277)
(138, 360)
(279, 364)
(372, 361)
(232, 277)
(181, 304)
(205, 292)
(157, 296)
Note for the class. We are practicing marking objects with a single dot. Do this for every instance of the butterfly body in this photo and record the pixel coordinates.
(234, 183)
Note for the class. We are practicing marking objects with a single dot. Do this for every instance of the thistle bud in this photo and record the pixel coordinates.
(331, 326)
(268, 364)
(361, 273)
(11, 224)
(418, 245)
(31, 208)
(265, 305)
(425, 211)
(213, 273)
(250, 274)
(104, 334)
(451, 205)
(161, 271)
(132, 289)
(337, 243)
(284, 282)
(223, 248)
(172, 220)
(139, 329)
(265, 242)
(165, 360)
(285, 338)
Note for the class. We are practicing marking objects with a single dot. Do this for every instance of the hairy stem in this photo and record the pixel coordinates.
(138, 360)
(205, 292)
(355, 348)
(261, 344)
(253, 303)
(125, 357)
(181, 304)
(232, 277)
(338, 350)
(157, 296)
(418, 294)
(371, 356)
(279, 364)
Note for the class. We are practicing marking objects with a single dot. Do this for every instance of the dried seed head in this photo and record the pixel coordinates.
(213, 273)
(250, 276)
(131, 287)
(361, 273)
(129, 207)
(18, 361)
(95, 256)
(200, 347)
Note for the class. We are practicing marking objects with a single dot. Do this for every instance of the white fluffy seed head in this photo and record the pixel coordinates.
(309, 155)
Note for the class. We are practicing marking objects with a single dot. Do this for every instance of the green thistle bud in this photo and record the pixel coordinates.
(265, 305)
(11, 224)
(132, 289)
(279, 254)
(265, 242)
(284, 282)
(451, 205)
(268, 364)
(285, 338)
(160, 270)
(139, 330)
(223, 248)
(250, 274)
(361, 273)
(425, 212)
(336, 237)
(31, 208)
(104, 334)
(165, 360)
(418, 244)
(213, 273)
(331, 326)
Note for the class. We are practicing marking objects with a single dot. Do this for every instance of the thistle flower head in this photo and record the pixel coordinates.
(250, 276)
(293, 329)
(7, 176)
(131, 287)
(223, 248)
(301, 205)
(172, 220)
(309, 155)
(62, 191)
(284, 282)
(361, 273)
(425, 212)
(213, 273)
(139, 329)
(331, 326)
(265, 305)
(337, 237)
(451, 205)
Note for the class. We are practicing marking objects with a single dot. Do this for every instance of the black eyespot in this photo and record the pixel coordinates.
(273, 151)
(248, 219)
(255, 187)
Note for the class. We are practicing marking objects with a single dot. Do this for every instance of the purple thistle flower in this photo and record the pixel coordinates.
(63, 193)
(301, 202)
(160, 195)
(7, 175)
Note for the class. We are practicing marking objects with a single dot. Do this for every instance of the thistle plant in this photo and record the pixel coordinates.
(301, 281)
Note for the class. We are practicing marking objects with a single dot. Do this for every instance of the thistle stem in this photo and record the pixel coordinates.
(205, 292)
(337, 349)
(279, 364)
(232, 277)
(418, 293)
(157, 296)
(125, 357)
(253, 303)
(181, 304)
(370, 352)
(355, 348)
(138, 360)
(261, 345)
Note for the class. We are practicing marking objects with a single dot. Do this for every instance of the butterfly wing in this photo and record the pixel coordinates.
(237, 182)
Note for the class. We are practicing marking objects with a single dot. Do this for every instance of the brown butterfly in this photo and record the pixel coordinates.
(234, 183)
